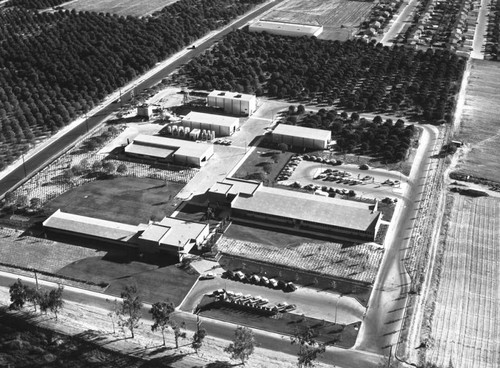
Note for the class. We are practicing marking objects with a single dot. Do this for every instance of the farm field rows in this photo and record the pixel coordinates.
(466, 321)
(359, 262)
(332, 13)
(120, 7)
(479, 127)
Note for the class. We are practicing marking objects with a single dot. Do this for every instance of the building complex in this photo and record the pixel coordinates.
(219, 124)
(233, 102)
(286, 29)
(297, 136)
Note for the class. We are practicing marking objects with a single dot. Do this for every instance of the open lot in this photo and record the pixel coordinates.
(465, 328)
(480, 127)
(120, 7)
(95, 262)
(332, 15)
(124, 199)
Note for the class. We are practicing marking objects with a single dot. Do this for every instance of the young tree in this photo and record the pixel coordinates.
(243, 344)
(108, 167)
(56, 301)
(130, 308)
(309, 349)
(114, 314)
(198, 338)
(178, 331)
(33, 296)
(161, 312)
(18, 295)
(44, 301)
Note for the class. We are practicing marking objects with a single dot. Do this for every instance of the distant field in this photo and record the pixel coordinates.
(480, 125)
(332, 15)
(465, 328)
(121, 7)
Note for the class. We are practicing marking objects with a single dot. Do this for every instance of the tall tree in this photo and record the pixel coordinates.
(130, 308)
(18, 294)
(161, 312)
(56, 301)
(243, 344)
(198, 338)
(179, 331)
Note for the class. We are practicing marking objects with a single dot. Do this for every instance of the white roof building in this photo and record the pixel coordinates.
(297, 136)
(286, 29)
(233, 102)
(220, 124)
(179, 151)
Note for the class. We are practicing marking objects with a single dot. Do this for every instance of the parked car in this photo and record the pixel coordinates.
(290, 286)
(207, 276)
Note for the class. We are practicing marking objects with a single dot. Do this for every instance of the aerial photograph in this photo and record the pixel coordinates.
(254, 183)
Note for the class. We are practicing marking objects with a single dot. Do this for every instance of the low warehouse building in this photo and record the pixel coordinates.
(170, 235)
(221, 125)
(308, 214)
(298, 136)
(286, 29)
(233, 102)
(178, 151)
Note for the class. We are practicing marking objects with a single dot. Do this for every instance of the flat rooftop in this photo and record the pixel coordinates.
(231, 95)
(303, 132)
(308, 207)
(178, 146)
(90, 226)
(199, 117)
(140, 149)
(181, 231)
(306, 29)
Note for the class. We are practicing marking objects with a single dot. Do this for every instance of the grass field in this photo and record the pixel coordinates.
(124, 199)
(157, 277)
(480, 126)
(332, 15)
(260, 160)
(465, 328)
(120, 7)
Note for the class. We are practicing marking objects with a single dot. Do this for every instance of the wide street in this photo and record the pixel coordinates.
(34, 162)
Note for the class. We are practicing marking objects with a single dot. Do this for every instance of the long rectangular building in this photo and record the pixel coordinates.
(220, 124)
(286, 29)
(298, 136)
(164, 149)
(307, 213)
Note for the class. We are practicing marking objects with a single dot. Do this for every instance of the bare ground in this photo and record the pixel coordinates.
(480, 127)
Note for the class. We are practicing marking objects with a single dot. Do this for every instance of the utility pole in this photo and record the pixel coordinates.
(24, 165)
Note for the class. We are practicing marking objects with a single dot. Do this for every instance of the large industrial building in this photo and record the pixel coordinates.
(169, 235)
(222, 125)
(233, 102)
(163, 150)
(252, 203)
(297, 136)
(286, 29)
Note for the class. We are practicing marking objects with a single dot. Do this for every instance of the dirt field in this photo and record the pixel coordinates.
(466, 322)
(480, 126)
(332, 15)
(120, 7)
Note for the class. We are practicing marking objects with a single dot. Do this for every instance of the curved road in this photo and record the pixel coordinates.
(34, 163)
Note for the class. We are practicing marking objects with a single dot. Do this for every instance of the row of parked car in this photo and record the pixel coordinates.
(260, 280)
(251, 301)
(322, 160)
(289, 168)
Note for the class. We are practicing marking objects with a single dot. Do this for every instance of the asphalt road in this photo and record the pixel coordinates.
(36, 161)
